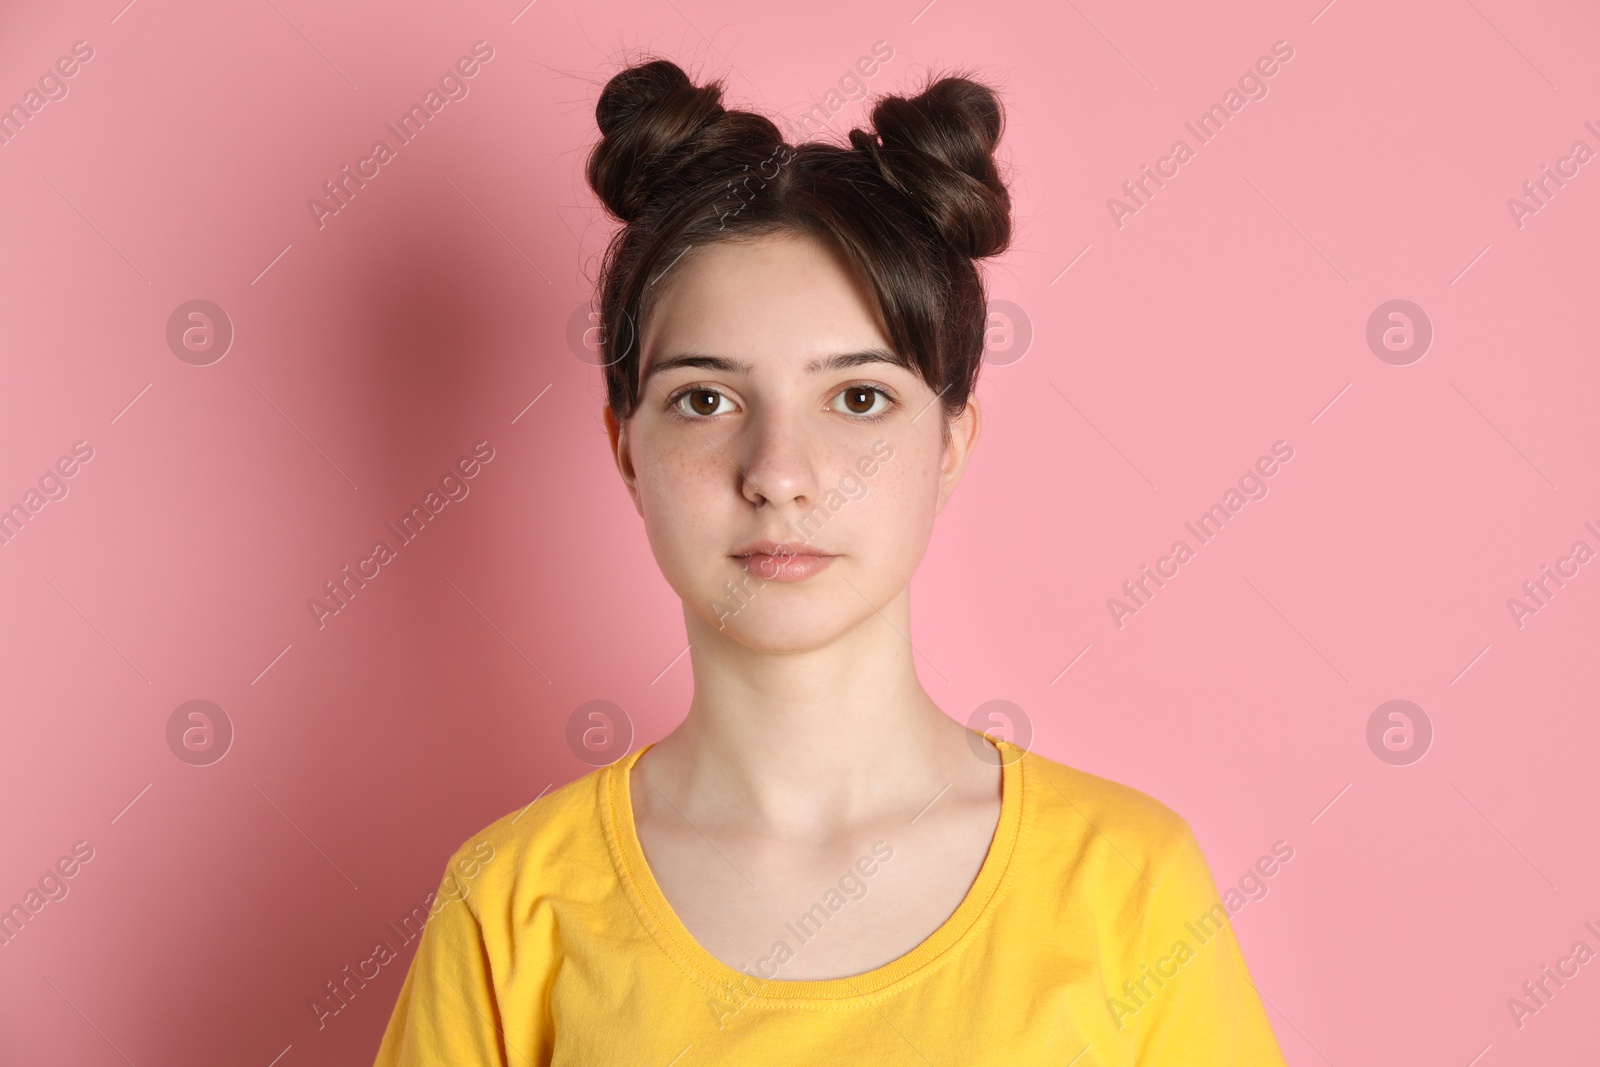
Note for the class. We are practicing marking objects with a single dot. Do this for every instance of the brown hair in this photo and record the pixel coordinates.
(910, 204)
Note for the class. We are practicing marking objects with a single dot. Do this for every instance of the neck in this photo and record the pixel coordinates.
(800, 741)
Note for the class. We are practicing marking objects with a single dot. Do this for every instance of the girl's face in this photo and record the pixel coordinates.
(787, 472)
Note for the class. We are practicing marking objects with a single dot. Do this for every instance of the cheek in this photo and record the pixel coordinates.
(683, 491)
(895, 517)
(671, 476)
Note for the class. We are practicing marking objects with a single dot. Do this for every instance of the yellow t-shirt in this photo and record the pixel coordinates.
(1093, 936)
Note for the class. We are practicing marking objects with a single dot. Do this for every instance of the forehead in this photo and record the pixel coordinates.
(776, 298)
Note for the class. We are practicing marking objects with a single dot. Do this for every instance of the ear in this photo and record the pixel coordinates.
(618, 433)
(962, 439)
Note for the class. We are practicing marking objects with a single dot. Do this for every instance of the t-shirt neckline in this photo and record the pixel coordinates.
(668, 930)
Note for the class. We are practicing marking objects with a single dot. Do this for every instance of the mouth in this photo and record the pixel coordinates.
(785, 561)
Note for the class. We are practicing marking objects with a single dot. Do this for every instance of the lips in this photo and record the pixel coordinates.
(783, 561)
(779, 548)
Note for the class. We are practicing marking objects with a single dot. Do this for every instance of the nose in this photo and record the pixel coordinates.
(779, 462)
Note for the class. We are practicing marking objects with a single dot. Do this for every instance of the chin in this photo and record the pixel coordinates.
(780, 636)
(784, 620)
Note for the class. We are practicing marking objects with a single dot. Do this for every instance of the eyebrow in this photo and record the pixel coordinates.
(841, 361)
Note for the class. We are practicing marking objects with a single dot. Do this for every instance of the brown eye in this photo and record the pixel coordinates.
(863, 400)
(700, 402)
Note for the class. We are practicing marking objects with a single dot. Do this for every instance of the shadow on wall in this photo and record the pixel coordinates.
(405, 713)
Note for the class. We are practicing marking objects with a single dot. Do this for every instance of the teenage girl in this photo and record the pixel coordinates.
(818, 865)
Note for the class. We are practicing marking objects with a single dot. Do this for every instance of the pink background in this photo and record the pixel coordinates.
(1168, 354)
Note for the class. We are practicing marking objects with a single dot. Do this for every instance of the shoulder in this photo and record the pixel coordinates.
(537, 847)
(1062, 791)
(1089, 814)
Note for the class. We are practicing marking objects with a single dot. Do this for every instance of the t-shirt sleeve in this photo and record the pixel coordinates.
(1201, 1009)
(447, 1011)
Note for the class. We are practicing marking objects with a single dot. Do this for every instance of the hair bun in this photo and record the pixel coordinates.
(938, 149)
(646, 114)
